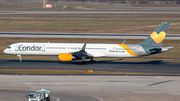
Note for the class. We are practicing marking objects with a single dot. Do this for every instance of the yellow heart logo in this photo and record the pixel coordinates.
(158, 38)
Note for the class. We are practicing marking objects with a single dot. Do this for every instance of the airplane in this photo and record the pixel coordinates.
(83, 51)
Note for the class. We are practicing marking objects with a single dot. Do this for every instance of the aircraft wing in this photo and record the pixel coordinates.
(85, 54)
(82, 53)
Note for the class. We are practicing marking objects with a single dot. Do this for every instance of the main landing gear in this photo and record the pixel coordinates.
(20, 58)
(92, 61)
(84, 62)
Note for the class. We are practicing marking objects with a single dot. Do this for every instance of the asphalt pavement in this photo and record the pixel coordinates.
(91, 88)
(88, 12)
(150, 66)
(82, 35)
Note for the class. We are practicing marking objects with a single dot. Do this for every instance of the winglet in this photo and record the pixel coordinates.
(84, 47)
(124, 41)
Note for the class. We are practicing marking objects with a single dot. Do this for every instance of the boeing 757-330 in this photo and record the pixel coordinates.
(83, 51)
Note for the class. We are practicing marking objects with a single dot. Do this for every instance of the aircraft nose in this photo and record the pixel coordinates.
(5, 51)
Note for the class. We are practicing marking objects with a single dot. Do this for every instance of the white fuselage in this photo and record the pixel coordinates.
(54, 49)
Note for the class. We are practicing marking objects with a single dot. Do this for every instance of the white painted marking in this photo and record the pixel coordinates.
(100, 99)
(160, 77)
(57, 99)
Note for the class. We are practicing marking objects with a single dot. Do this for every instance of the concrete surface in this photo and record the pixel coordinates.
(150, 66)
(89, 12)
(83, 35)
(92, 88)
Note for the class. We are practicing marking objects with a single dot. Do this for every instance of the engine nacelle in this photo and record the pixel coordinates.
(66, 57)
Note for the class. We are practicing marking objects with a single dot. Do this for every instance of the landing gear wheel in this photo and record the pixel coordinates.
(20, 61)
(20, 58)
(84, 62)
(92, 61)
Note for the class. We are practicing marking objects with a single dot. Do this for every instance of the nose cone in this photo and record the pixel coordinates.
(5, 51)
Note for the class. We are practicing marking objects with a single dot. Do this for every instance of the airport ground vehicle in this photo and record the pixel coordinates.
(39, 95)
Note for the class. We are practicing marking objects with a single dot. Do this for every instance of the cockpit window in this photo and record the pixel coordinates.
(9, 47)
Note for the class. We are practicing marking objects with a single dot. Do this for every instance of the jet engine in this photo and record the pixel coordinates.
(66, 57)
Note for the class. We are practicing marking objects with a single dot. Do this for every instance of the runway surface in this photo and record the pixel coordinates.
(89, 12)
(149, 66)
(92, 88)
(82, 35)
(20, 95)
(142, 7)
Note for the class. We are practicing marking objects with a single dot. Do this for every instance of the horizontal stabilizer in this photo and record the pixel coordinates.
(164, 49)
(169, 47)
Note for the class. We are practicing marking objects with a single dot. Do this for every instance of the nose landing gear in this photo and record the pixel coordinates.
(20, 58)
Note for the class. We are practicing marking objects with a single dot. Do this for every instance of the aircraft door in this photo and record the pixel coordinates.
(140, 49)
(113, 49)
(16, 47)
(43, 48)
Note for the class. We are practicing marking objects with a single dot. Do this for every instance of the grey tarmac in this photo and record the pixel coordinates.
(150, 66)
(18, 94)
(92, 88)
(88, 12)
(142, 7)
(82, 35)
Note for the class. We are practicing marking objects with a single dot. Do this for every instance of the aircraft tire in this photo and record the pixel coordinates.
(84, 62)
(92, 61)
